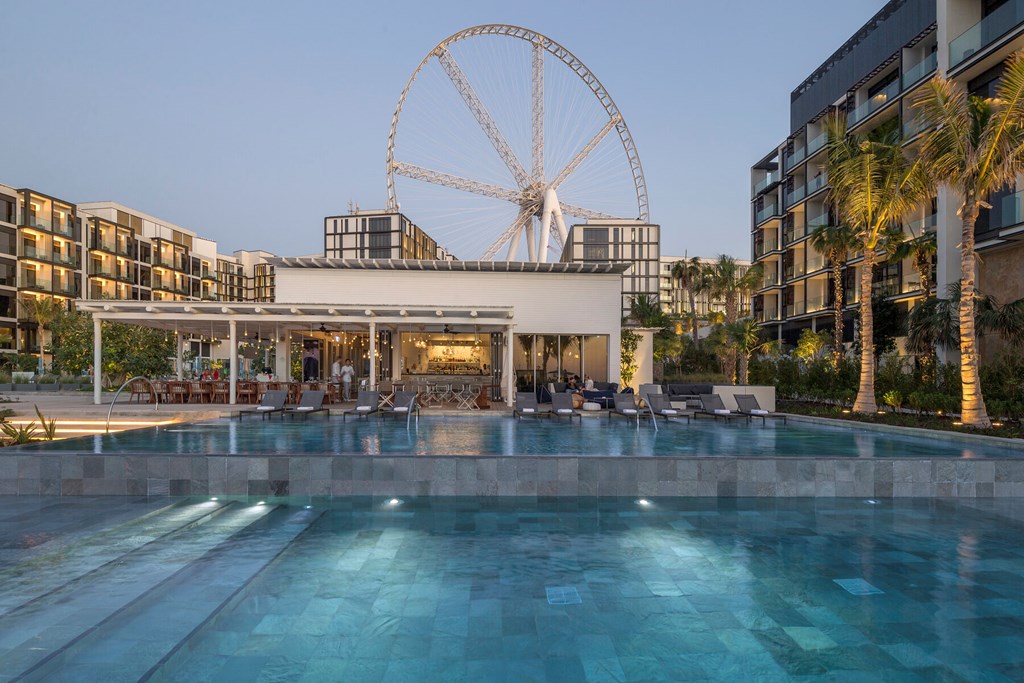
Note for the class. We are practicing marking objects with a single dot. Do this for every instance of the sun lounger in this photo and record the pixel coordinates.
(526, 406)
(749, 406)
(404, 402)
(312, 401)
(661, 406)
(273, 402)
(711, 404)
(366, 405)
(625, 406)
(561, 406)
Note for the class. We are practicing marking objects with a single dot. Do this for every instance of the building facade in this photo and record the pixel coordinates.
(675, 300)
(379, 235)
(54, 248)
(633, 243)
(873, 78)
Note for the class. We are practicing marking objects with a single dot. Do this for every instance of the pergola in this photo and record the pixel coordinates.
(278, 320)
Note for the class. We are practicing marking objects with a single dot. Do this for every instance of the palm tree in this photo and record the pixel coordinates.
(727, 282)
(744, 336)
(44, 310)
(920, 249)
(936, 321)
(835, 242)
(645, 311)
(973, 146)
(691, 275)
(873, 185)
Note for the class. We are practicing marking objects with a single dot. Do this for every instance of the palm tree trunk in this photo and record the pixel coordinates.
(837, 310)
(693, 317)
(744, 364)
(730, 317)
(865, 402)
(974, 412)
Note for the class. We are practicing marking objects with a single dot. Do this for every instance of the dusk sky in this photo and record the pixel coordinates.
(248, 122)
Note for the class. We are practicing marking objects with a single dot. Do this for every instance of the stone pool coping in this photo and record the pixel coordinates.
(959, 437)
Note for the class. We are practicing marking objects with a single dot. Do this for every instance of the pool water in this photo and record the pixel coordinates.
(505, 589)
(496, 435)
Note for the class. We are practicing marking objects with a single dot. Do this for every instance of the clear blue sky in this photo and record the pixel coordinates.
(250, 121)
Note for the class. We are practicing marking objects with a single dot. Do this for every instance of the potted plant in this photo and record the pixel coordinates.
(5, 381)
(47, 383)
(70, 383)
(22, 381)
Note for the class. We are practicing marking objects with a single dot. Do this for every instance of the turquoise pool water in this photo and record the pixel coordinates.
(495, 435)
(95, 589)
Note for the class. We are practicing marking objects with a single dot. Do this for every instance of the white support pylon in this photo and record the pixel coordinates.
(551, 209)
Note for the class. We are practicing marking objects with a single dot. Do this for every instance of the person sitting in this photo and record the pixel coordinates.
(572, 386)
(588, 383)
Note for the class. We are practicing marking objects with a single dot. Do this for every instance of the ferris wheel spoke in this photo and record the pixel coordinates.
(575, 162)
(482, 116)
(524, 217)
(455, 182)
(538, 112)
(581, 212)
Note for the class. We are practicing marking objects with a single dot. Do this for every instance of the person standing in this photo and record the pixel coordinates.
(347, 373)
(336, 371)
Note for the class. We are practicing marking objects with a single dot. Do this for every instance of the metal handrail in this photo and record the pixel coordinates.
(156, 396)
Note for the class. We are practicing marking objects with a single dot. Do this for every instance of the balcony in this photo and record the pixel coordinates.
(1008, 211)
(796, 195)
(795, 308)
(207, 296)
(923, 68)
(795, 233)
(35, 253)
(816, 183)
(817, 143)
(815, 263)
(771, 279)
(986, 32)
(66, 289)
(874, 103)
(770, 179)
(104, 245)
(766, 245)
(798, 155)
(819, 221)
(922, 225)
(767, 212)
(815, 304)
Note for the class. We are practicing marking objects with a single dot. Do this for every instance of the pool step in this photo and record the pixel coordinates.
(134, 643)
(42, 630)
(77, 558)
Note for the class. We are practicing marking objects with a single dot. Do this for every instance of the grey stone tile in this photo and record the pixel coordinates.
(487, 469)
(28, 467)
(568, 469)
(340, 468)
(320, 468)
(157, 467)
(465, 470)
(383, 469)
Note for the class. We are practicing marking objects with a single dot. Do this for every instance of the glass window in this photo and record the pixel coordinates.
(522, 361)
(381, 224)
(570, 348)
(595, 357)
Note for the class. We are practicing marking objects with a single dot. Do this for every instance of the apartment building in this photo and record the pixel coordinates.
(619, 241)
(676, 301)
(379, 235)
(873, 78)
(51, 247)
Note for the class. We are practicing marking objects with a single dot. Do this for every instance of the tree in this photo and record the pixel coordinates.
(920, 249)
(974, 147)
(835, 242)
(127, 350)
(874, 184)
(645, 311)
(691, 275)
(745, 337)
(44, 310)
(935, 322)
(811, 345)
(727, 282)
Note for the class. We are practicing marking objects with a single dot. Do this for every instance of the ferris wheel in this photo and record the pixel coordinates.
(479, 104)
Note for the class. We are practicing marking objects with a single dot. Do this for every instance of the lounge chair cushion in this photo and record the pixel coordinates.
(758, 411)
(565, 411)
(526, 410)
(402, 409)
(265, 408)
(722, 411)
(629, 411)
(304, 409)
(669, 411)
(364, 409)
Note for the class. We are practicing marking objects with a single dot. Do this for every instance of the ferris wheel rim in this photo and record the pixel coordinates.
(564, 55)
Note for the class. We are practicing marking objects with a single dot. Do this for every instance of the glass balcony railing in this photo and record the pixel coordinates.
(815, 303)
(821, 219)
(817, 143)
(104, 245)
(66, 289)
(796, 195)
(817, 182)
(794, 233)
(796, 157)
(912, 128)
(770, 279)
(35, 253)
(766, 245)
(920, 70)
(65, 259)
(768, 180)
(986, 31)
(876, 102)
(815, 263)
(766, 213)
(795, 308)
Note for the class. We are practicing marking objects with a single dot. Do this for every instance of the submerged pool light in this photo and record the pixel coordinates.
(642, 502)
(395, 502)
(214, 498)
(261, 503)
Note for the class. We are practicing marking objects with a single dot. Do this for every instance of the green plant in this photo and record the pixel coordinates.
(19, 434)
(893, 398)
(49, 426)
(47, 379)
(811, 345)
(627, 360)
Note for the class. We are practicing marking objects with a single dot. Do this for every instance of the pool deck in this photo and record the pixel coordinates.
(304, 474)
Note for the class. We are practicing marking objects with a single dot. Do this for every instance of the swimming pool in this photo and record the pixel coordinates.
(495, 435)
(498, 589)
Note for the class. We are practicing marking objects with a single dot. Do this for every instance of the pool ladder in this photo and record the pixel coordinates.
(156, 396)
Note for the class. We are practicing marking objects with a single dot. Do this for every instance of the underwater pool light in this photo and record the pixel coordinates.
(643, 502)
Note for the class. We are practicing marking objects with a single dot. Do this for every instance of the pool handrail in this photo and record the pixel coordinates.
(156, 396)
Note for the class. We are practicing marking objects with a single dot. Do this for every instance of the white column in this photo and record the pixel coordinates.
(373, 355)
(180, 343)
(233, 362)
(97, 359)
(615, 357)
(508, 370)
(396, 355)
(282, 363)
